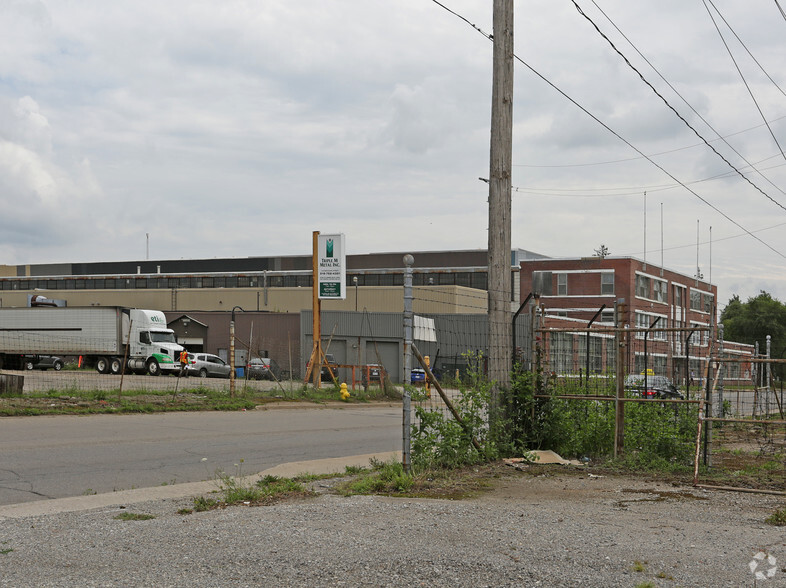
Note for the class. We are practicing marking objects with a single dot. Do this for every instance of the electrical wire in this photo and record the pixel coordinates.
(697, 113)
(613, 132)
(674, 110)
(661, 152)
(783, 14)
(739, 71)
(633, 190)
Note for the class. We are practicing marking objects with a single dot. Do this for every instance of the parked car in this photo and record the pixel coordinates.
(657, 387)
(417, 376)
(259, 368)
(207, 365)
(372, 372)
(324, 372)
(43, 362)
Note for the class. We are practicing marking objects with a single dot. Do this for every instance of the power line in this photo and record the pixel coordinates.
(674, 110)
(613, 132)
(739, 71)
(783, 14)
(688, 104)
(631, 190)
(669, 151)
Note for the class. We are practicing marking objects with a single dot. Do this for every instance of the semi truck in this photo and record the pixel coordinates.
(105, 337)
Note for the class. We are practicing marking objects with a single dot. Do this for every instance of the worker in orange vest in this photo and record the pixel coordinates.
(183, 362)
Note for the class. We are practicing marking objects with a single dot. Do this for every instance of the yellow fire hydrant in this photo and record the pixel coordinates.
(344, 391)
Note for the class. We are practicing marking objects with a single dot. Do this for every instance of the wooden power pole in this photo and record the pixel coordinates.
(499, 251)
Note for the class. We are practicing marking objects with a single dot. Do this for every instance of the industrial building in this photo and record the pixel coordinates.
(270, 298)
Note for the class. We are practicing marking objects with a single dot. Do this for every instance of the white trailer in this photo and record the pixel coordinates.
(104, 336)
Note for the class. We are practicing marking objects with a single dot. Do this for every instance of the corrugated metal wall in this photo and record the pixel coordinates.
(380, 337)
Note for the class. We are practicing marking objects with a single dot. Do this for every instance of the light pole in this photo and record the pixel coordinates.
(232, 352)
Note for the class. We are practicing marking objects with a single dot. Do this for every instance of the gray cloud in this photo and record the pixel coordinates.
(236, 129)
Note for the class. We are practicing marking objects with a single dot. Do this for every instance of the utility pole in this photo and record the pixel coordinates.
(499, 250)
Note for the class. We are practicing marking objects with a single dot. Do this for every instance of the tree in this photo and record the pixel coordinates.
(750, 322)
(601, 251)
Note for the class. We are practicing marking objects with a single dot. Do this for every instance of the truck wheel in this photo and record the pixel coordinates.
(102, 365)
(153, 368)
(115, 366)
(28, 365)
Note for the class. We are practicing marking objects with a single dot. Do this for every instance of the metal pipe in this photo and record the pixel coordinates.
(513, 325)
(589, 324)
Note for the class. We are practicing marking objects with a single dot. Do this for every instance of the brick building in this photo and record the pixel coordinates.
(577, 291)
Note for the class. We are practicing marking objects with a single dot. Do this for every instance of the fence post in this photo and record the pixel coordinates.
(755, 378)
(708, 397)
(619, 406)
(769, 379)
(719, 374)
(405, 449)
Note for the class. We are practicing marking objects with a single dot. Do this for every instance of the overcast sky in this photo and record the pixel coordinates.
(235, 129)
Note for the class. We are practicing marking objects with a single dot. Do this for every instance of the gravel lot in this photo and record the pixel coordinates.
(553, 529)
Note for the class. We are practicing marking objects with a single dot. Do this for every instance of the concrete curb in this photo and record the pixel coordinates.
(125, 497)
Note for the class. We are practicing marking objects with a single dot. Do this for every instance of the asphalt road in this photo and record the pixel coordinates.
(62, 456)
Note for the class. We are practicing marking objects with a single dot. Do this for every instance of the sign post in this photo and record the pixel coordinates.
(329, 267)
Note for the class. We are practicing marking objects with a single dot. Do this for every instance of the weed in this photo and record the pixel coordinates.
(185, 511)
(385, 478)
(778, 518)
(133, 516)
(645, 585)
(441, 441)
(202, 504)
(638, 566)
(354, 470)
(234, 489)
(306, 477)
(6, 551)
(274, 486)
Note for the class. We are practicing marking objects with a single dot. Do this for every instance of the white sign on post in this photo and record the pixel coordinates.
(331, 267)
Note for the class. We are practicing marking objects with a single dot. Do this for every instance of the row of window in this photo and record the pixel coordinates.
(543, 284)
(646, 321)
(477, 280)
(655, 289)
(568, 350)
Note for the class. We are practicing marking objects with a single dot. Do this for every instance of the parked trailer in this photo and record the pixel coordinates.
(104, 336)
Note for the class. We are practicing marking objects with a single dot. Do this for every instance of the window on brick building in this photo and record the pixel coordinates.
(695, 300)
(643, 321)
(561, 352)
(708, 300)
(595, 352)
(562, 284)
(642, 286)
(679, 296)
(659, 290)
(607, 283)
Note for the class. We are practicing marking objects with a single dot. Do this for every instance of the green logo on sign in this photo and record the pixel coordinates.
(329, 248)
